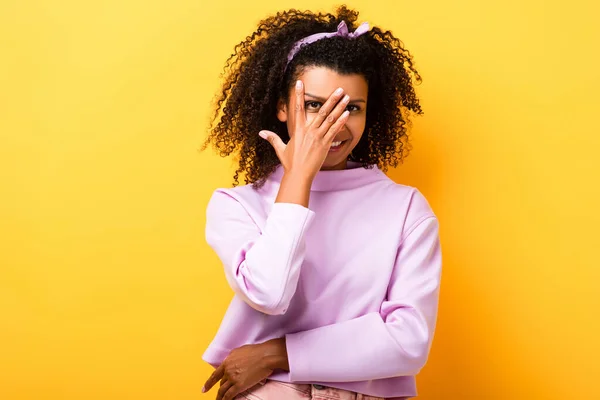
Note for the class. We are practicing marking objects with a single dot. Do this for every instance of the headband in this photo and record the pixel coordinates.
(342, 31)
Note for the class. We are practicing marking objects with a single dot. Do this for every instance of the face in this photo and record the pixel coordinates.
(319, 84)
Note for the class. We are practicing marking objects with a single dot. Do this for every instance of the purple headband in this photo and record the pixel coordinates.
(342, 31)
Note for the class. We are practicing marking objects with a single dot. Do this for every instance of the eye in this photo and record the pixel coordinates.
(312, 105)
(352, 108)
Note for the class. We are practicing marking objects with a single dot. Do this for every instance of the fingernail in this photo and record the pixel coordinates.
(298, 84)
(203, 389)
(338, 91)
(263, 134)
(346, 99)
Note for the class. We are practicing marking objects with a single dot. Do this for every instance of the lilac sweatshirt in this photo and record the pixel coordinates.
(352, 281)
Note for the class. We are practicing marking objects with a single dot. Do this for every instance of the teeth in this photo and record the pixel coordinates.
(336, 144)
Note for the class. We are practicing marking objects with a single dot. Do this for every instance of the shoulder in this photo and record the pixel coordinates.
(410, 197)
(406, 202)
(243, 197)
(238, 192)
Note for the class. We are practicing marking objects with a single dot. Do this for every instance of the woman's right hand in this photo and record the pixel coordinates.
(309, 145)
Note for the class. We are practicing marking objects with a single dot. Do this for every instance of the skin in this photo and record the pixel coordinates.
(316, 116)
(246, 366)
(319, 84)
(314, 125)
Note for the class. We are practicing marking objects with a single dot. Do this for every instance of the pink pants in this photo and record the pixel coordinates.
(275, 390)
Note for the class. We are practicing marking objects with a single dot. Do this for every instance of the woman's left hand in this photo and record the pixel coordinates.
(246, 366)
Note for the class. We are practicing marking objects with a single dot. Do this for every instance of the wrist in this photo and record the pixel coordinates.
(275, 354)
(295, 188)
(298, 176)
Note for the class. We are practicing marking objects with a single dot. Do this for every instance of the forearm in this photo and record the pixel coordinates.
(294, 188)
(394, 341)
(261, 265)
(335, 353)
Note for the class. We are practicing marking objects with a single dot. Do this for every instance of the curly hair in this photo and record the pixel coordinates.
(256, 78)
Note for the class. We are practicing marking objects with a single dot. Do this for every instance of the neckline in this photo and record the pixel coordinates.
(354, 176)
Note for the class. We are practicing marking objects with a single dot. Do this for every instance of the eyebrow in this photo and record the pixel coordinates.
(323, 100)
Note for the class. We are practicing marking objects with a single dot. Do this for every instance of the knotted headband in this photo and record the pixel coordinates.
(342, 31)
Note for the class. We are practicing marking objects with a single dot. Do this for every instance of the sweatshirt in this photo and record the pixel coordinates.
(352, 281)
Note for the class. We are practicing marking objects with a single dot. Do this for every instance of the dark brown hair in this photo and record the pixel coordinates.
(256, 77)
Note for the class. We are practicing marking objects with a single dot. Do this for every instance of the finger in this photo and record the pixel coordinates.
(298, 107)
(326, 108)
(334, 115)
(275, 141)
(224, 389)
(231, 393)
(214, 378)
(336, 127)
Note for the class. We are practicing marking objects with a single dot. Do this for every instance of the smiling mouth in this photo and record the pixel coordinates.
(338, 144)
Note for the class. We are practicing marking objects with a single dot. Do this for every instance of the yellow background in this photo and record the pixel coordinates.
(107, 288)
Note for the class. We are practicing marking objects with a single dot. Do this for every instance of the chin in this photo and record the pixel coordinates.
(332, 162)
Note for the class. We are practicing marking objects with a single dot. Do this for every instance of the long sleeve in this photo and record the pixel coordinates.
(392, 342)
(262, 267)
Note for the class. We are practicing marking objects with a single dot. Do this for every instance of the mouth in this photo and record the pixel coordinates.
(337, 145)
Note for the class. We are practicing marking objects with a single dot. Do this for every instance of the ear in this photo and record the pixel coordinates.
(282, 110)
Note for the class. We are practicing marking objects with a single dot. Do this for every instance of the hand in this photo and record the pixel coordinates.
(246, 366)
(310, 142)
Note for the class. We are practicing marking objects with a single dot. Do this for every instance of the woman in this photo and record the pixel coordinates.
(336, 269)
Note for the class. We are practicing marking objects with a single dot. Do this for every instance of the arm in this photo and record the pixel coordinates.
(392, 342)
(263, 268)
